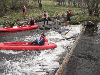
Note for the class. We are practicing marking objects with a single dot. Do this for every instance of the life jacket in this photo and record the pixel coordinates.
(44, 14)
(32, 21)
(45, 40)
(69, 12)
(23, 7)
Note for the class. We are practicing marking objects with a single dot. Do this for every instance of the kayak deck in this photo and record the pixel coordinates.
(19, 28)
(25, 46)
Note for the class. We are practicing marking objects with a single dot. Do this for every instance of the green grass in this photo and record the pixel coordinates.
(48, 6)
(79, 18)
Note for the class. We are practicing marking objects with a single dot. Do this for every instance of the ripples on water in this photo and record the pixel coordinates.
(41, 62)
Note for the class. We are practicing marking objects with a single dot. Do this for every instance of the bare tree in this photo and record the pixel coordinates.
(40, 5)
(6, 5)
(82, 5)
(61, 2)
(68, 2)
(92, 6)
(39, 1)
(3, 8)
(74, 2)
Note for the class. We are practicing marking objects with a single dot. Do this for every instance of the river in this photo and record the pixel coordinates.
(85, 59)
(37, 62)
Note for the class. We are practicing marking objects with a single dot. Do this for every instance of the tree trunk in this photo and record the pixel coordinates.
(90, 11)
(40, 1)
(81, 5)
(78, 4)
(65, 2)
(97, 10)
(74, 3)
(84, 6)
(71, 3)
(92, 6)
(61, 2)
(40, 5)
(68, 2)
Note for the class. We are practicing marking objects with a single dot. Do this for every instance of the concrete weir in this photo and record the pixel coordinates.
(65, 61)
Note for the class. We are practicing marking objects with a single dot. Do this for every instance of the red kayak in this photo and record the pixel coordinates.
(19, 28)
(25, 46)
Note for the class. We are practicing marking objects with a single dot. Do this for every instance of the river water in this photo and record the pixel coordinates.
(37, 62)
(85, 59)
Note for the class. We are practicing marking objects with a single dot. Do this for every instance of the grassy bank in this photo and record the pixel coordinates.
(51, 7)
(80, 18)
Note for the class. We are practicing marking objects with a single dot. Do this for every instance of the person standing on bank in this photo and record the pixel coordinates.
(24, 9)
(69, 13)
(45, 15)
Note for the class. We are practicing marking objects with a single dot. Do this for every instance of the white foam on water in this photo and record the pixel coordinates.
(10, 52)
(47, 60)
(73, 31)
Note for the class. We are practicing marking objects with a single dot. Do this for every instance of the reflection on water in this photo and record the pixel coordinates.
(39, 62)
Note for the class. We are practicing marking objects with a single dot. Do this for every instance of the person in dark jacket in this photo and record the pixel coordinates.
(41, 41)
(24, 9)
(69, 13)
(32, 21)
(45, 15)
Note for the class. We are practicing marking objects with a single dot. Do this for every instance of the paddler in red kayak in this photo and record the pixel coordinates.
(41, 41)
(32, 21)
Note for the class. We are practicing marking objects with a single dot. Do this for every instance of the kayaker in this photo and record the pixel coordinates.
(24, 9)
(69, 13)
(32, 21)
(45, 15)
(41, 41)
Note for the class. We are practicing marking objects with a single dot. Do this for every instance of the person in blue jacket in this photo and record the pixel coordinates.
(41, 41)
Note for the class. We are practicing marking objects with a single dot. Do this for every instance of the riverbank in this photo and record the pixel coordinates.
(54, 11)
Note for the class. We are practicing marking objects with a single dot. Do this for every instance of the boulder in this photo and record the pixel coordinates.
(6, 17)
(49, 18)
(55, 27)
(72, 17)
(41, 28)
(22, 22)
(1, 26)
(47, 27)
(63, 15)
(15, 24)
(56, 22)
(62, 20)
(90, 23)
